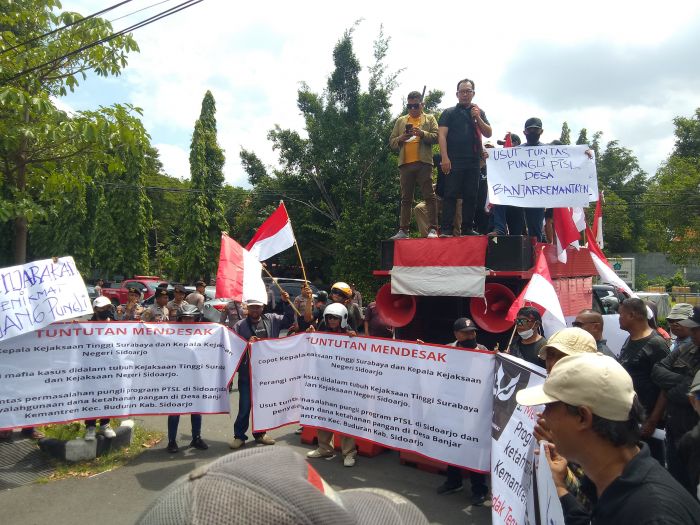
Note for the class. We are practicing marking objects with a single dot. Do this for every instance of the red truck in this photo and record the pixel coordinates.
(147, 284)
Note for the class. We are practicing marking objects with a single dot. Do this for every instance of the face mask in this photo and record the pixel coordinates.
(104, 314)
(527, 334)
(532, 138)
(469, 343)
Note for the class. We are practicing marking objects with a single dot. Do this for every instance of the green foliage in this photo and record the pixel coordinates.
(582, 137)
(677, 222)
(340, 183)
(688, 136)
(565, 135)
(203, 216)
(38, 141)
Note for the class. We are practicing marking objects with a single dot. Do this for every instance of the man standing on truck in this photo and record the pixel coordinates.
(412, 137)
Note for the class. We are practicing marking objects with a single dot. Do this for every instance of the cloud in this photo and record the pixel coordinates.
(176, 160)
(611, 66)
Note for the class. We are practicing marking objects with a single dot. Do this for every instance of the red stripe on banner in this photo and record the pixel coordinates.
(459, 251)
(271, 226)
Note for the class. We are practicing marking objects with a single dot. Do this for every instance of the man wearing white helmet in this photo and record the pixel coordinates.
(335, 320)
(342, 293)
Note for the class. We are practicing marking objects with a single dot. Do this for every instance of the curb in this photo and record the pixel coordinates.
(81, 450)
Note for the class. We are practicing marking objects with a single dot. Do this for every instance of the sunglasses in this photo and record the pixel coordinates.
(521, 321)
(413, 106)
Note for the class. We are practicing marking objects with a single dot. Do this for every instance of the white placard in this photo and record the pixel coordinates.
(71, 371)
(429, 399)
(542, 176)
(39, 293)
(513, 444)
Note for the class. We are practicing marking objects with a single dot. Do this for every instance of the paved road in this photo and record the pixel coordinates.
(118, 497)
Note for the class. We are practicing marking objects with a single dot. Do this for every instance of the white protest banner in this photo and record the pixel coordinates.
(551, 512)
(542, 176)
(39, 293)
(429, 399)
(71, 371)
(513, 445)
(277, 367)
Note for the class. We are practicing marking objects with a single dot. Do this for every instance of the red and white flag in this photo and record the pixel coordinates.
(444, 267)
(541, 292)
(238, 276)
(274, 235)
(566, 233)
(598, 222)
(605, 270)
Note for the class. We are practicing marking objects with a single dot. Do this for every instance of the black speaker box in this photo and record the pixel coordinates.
(509, 253)
(386, 261)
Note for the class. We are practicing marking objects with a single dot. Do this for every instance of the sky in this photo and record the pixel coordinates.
(612, 66)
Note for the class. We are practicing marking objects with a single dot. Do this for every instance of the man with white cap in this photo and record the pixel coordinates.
(569, 341)
(256, 325)
(674, 375)
(594, 417)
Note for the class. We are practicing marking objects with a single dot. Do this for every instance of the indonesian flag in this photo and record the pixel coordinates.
(598, 222)
(566, 232)
(444, 267)
(509, 141)
(540, 291)
(238, 276)
(605, 271)
(274, 235)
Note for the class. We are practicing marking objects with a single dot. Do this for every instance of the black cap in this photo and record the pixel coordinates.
(464, 324)
(533, 122)
(180, 288)
(160, 292)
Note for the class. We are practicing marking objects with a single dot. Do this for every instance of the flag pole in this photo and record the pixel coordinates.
(303, 270)
(291, 303)
(515, 327)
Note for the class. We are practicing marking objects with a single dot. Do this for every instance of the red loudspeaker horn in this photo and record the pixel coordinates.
(395, 309)
(490, 311)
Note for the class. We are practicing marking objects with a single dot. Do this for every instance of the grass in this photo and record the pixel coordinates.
(142, 440)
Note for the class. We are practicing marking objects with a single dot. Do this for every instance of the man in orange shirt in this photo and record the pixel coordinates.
(413, 136)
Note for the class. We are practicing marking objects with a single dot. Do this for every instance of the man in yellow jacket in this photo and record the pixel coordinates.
(413, 136)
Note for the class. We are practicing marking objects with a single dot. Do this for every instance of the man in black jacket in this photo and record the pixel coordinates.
(594, 417)
(674, 376)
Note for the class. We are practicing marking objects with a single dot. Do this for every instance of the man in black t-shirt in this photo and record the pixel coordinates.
(641, 351)
(459, 134)
(528, 340)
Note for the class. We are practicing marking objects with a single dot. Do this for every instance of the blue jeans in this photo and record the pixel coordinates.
(509, 220)
(240, 427)
(174, 421)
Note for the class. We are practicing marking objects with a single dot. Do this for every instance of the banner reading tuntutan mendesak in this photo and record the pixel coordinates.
(513, 444)
(39, 293)
(429, 399)
(70, 371)
(539, 176)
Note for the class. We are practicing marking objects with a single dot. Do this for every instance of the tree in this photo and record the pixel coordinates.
(582, 137)
(565, 136)
(35, 137)
(620, 176)
(687, 136)
(674, 196)
(204, 219)
(340, 182)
